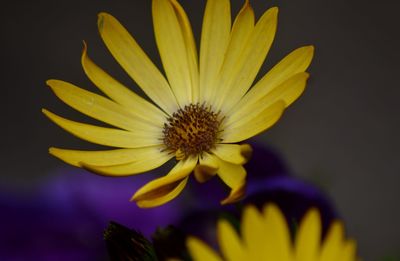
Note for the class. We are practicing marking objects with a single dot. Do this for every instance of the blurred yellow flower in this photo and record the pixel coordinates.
(266, 236)
(200, 110)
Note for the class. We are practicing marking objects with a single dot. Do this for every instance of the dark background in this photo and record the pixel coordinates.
(343, 133)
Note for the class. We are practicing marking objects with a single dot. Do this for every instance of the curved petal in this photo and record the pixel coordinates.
(190, 49)
(231, 153)
(164, 189)
(173, 51)
(246, 151)
(200, 251)
(241, 30)
(249, 63)
(234, 176)
(100, 108)
(105, 157)
(152, 160)
(119, 93)
(214, 41)
(288, 91)
(105, 136)
(136, 63)
(333, 243)
(277, 237)
(308, 237)
(229, 242)
(253, 125)
(295, 62)
(207, 167)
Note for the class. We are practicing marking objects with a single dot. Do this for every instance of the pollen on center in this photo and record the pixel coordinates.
(192, 130)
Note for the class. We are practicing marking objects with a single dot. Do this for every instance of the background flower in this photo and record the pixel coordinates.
(65, 216)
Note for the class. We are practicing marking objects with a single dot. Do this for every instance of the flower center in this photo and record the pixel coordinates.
(192, 130)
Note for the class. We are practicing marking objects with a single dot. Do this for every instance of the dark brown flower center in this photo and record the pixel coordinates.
(192, 130)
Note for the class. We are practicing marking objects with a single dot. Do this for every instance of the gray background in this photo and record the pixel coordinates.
(341, 134)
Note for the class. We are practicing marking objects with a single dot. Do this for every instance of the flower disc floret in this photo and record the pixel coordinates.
(192, 130)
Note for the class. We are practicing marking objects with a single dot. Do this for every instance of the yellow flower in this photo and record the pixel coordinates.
(200, 110)
(266, 236)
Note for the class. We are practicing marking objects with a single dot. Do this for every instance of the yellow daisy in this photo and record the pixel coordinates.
(199, 111)
(266, 236)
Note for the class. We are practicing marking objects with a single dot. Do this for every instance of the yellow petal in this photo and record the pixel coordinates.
(214, 41)
(199, 251)
(100, 108)
(308, 237)
(191, 49)
(153, 159)
(164, 189)
(163, 195)
(207, 167)
(172, 48)
(231, 153)
(239, 79)
(277, 239)
(253, 233)
(296, 62)
(119, 93)
(235, 195)
(247, 151)
(105, 136)
(136, 63)
(234, 176)
(229, 242)
(241, 30)
(244, 129)
(288, 91)
(105, 157)
(349, 251)
(333, 243)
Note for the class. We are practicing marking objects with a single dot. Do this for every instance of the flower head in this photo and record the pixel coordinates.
(199, 112)
(266, 236)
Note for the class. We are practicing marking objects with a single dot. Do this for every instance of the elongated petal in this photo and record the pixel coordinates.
(105, 136)
(241, 30)
(214, 41)
(308, 237)
(105, 157)
(229, 242)
(207, 167)
(240, 78)
(100, 108)
(254, 125)
(136, 63)
(231, 153)
(295, 62)
(234, 176)
(333, 243)
(200, 251)
(288, 91)
(190, 45)
(119, 93)
(153, 159)
(277, 237)
(164, 189)
(253, 233)
(172, 47)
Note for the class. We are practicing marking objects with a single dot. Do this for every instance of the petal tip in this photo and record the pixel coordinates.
(274, 10)
(100, 20)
